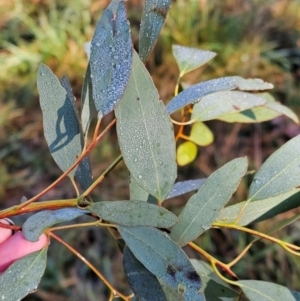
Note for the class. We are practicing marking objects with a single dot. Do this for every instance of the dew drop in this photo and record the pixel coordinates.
(97, 44)
(256, 181)
(140, 176)
(135, 160)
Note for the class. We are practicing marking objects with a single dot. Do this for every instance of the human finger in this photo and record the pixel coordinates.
(17, 247)
(5, 233)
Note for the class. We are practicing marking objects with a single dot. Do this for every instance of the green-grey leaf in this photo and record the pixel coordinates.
(136, 191)
(265, 291)
(194, 93)
(189, 58)
(111, 57)
(35, 225)
(23, 276)
(134, 213)
(61, 127)
(218, 104)
(146, 135)
(153, 19)
(180, 188)
(87, 102)
(279, 174)
(270, 110)
(163, 258)
(204, 206)
(83, 172)
(213, 287)
(256, 212)
(143, 283)
(255, 115)
(171, 293)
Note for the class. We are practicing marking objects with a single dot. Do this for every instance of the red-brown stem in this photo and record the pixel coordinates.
(210, 258)
(89, 265)
(51, 205)
(65, 174)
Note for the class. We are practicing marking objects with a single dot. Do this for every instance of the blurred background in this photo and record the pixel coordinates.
(252, 38)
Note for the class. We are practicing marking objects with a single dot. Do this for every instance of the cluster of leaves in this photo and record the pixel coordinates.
(151, 237)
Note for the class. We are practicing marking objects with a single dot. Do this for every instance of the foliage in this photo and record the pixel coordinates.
(150, 236)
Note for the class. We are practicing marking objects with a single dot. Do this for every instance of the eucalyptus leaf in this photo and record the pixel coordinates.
(194, 93)
(153, 19)
(87, 102)
(270, 110)
(256, 212)
(163, 258)
(23, 276)
(189, 58)
(265, 291)
(221, 103)
(186, 153)
(204, 206)
(279, 174)
(255, 115)
(145, 134)
(134, 213)
(136, 191)
(35, 225)
(111, 57)
(180, 188)
(201, 134)
(83, 172)
(61, 127)
(143, 283)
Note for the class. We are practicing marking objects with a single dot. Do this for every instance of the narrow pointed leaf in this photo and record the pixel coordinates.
(180, 188)
(255, 115)
(111, 57)
(279, 174)
(256, 212)
(270, 110)
(194, 93)
(61, 128)
(201, 134)
(265, 291)
(204, 206)
(83, 172)
(189, 58)
(134, 213)
(35, 225)
(146, 135)
(163, 258)
(87, 102)
(143, 283)
(221, 103)
(153, 19)
(23, 276)
(186, 153)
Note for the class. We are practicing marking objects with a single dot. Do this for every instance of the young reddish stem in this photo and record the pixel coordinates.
(92, 267)
(101, 178)
(65, 174)
(211, 259)
(50, 205)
